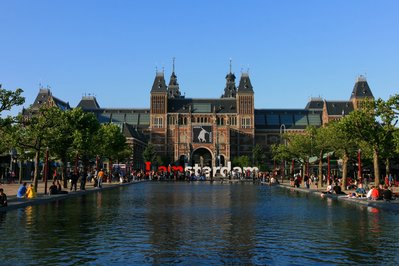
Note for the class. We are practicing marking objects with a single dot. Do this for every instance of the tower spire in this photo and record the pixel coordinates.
(230, 65)
(173, 66)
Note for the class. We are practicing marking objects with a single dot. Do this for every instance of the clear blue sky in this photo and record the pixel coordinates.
(294, 49)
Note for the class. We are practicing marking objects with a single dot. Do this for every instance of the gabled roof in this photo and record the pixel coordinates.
(130, 131)
(88, 103)
(159, 84)
(315, 104)
(338, 108)
(186, 105)
(361, 89)
(245, 84)
(44, 96)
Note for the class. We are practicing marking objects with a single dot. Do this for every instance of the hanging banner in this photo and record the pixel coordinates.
(202, 134)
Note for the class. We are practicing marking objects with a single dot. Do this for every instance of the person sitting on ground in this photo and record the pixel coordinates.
(373, 193)
(53, 189)
(368, 195)
(3, 198)
(329, 189)
(297, 182)
(31, 193)
(360, 191)
(387, 194)
(380, 191)
(337, 189)
(59, 188)
(21, 191)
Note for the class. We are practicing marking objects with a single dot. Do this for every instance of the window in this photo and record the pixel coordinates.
(233, 120)
(158, 123)
(220, 121)
(246, 122)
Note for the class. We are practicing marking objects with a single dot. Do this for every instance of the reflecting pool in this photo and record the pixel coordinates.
(198, 223)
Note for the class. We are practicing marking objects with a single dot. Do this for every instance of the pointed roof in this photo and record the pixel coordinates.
(159, 84)
(245, 83)
(173, 88)
(44, 96)
(361, 89)
(89, 103)
(131, 131)
(230, 90)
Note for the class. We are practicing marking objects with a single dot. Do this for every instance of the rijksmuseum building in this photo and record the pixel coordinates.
(210, 132)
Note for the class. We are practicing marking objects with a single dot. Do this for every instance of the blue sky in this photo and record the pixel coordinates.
(293, 49)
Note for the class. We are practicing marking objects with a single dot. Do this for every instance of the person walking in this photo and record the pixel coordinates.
(100, 178)
(74, 181)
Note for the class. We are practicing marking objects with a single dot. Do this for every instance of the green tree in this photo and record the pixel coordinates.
(387, 112)
(8, 99)
(258, 155)
(241, 161)
(112, 143)
(61, 139)
(149, 154)
(34, 133)
(300, 146)
(85, 129)
(362, 126)
(321, 145)
(342, 144)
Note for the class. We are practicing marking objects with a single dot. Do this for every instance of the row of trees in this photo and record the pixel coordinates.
(371, 129)
(68, 135)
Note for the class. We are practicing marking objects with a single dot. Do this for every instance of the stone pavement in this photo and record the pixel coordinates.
(13, 202)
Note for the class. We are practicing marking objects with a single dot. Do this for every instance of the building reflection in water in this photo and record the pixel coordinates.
(196, 217)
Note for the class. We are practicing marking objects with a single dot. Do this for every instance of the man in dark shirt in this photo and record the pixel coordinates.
(387, 194)
(3, 198)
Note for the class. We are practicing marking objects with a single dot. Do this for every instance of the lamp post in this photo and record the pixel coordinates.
(13, 154)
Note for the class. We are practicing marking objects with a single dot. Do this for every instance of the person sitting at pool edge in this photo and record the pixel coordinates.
(53, 189)
(387, 194)
(21, 191)
(31, 193)
(360, 191)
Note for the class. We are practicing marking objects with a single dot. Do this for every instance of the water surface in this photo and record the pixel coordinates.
(198, 224)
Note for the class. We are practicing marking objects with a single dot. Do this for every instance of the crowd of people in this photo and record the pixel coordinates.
(355, 188)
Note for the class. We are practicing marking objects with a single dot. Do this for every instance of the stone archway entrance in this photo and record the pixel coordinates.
(202, 157)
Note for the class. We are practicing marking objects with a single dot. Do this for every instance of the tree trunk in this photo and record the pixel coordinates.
(321, 169)
(36, 174)
(20, 171)
(344, 170)
(376, 167)
(387, 166)
(63, 173)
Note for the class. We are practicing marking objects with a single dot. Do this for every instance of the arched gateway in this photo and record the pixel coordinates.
(202, 156)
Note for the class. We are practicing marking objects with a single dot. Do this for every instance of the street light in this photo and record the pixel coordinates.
(13, 155)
